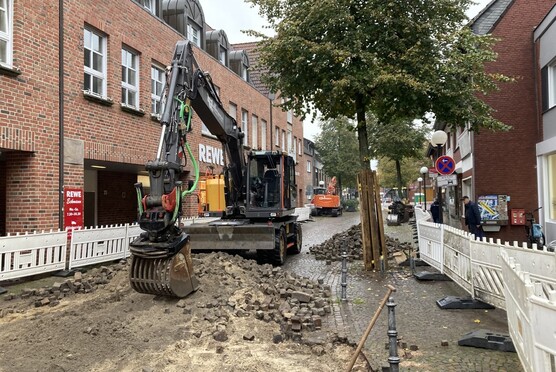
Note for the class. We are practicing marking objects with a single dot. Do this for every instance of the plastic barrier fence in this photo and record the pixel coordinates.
(31, 254)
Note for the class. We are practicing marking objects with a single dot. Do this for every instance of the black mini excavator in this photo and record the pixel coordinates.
(260, 192)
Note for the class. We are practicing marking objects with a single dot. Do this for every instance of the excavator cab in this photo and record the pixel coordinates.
(271, 185)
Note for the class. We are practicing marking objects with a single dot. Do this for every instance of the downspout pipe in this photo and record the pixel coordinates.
(61, 114)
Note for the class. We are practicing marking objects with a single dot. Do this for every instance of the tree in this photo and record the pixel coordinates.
(337, 147)
(397, 59)
(398, 140)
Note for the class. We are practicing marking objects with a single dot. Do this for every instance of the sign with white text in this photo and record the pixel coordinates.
(73, 209)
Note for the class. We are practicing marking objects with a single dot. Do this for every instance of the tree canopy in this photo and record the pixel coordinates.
(337, 147)
(397, 59)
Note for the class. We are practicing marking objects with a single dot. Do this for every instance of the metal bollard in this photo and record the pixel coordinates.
(344, 276)
(393, 359)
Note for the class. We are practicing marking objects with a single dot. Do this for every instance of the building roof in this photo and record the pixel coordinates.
(254, 72)
(484, 22)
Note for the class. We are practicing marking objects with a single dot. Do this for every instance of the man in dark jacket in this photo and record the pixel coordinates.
(473, 217)
(435, 211)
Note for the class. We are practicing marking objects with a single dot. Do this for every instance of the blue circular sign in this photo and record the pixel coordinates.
(445, 165)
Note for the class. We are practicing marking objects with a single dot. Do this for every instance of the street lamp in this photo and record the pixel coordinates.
(424, 171)
(420, 180)
(438, 140)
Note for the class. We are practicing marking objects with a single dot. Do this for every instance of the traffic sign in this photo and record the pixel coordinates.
(445, 165)
(444, 181)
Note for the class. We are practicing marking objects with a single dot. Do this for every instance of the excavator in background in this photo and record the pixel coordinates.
(325, 200)
(259, 191)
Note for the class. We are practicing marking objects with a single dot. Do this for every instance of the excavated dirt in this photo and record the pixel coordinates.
(244, 317)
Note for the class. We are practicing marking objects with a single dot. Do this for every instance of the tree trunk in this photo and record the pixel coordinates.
(362, 132)
(399, 179)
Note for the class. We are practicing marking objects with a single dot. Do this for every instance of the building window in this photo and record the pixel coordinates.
(254, 126)
(95, 63)
(194, 34)
(290, 139)
(283, 140)
(308, 166)
(552, 185)
(157, 86)
(244, 74)
(245, 125)
(222, 55)
(232, 110)
(299, 148)
(148, 4)
(130, 79)
(6, 35)
(289, 116)
(277, 137)
(263, 134)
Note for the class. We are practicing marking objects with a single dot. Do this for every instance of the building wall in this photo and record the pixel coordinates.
(99, 132)
(29, 104)
(505, 163)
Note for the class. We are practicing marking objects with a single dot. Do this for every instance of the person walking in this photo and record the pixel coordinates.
(473, 218)
(435, 211)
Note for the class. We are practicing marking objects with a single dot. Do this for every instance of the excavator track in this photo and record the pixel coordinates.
(166, 276)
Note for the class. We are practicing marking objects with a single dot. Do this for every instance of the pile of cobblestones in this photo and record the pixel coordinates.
(349, 241)
(231, 286)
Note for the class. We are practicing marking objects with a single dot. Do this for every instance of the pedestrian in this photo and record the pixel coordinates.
(473, 218)
(435, 211)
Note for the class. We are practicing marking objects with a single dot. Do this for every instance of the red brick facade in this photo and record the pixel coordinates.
(121, 140)
(505, 163)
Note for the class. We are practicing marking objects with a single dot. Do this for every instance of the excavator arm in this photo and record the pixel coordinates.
(161, 255)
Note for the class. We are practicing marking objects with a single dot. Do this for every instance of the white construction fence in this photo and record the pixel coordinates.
(512, 277)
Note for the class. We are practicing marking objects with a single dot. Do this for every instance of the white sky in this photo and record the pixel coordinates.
(232, 16)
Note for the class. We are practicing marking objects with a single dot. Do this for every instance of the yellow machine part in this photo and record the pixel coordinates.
(215, 194)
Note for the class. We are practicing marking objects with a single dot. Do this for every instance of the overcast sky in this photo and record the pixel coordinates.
(232, 16)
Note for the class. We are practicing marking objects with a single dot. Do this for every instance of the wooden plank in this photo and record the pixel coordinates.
(365, 230)
(380, 218)
(373, 220)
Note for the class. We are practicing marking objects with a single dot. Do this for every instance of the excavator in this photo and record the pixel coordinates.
(325, 200)
(259, 190)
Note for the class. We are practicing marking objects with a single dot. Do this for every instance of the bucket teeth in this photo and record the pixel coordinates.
(170, 276)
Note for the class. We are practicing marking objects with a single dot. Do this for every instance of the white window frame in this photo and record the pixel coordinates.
(7, 36)
(222, 55)
(552, 84)
(148, 4)
(131, 67)
(290, 139)
(158, 79)
(283, 140)
(299, 148)
(90, 71)
(254, 132)
(289, 117)
(277, 137)
(309, 166)
(194, 34)
(263, 134)
(245, 126)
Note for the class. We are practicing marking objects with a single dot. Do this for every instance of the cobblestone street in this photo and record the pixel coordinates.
(421, 324)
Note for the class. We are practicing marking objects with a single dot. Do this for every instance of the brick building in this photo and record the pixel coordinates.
(502, 165)
(91, 122)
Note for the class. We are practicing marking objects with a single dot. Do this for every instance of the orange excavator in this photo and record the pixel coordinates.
(326, 201)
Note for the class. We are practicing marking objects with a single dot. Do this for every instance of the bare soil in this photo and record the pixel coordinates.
(113, 328)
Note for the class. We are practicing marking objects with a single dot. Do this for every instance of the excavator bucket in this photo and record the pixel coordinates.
(231, 235)
(167, 276)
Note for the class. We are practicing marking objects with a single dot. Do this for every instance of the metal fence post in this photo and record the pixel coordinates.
(344, 276)
(393, 359)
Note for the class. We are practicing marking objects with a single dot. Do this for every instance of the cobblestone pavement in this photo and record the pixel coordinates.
(420, 323)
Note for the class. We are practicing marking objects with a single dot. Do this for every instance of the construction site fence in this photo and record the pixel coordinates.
(27, 254)
(512, 277)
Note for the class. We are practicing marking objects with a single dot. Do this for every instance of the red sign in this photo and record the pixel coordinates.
(73, 209)
(445, 165)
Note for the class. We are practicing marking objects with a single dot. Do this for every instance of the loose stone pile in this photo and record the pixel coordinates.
(349, 241)
(230, 286)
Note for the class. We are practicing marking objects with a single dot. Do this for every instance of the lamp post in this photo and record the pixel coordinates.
(420, 180)
(438, 140)
(424, 171)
